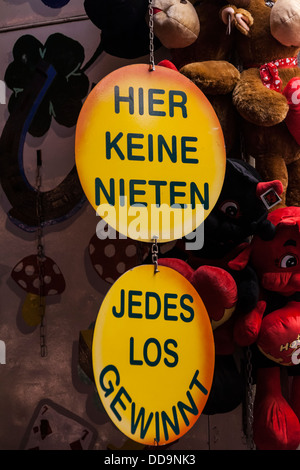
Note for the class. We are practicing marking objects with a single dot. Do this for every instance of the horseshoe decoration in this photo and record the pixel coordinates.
(59, 203)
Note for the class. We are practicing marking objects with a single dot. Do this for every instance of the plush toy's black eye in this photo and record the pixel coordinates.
(269, 3)
(230, 208)
(288, 261)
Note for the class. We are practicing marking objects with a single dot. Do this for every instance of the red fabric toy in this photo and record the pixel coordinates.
(273, 327)
(215, 286)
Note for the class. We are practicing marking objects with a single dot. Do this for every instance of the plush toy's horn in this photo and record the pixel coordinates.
(242, 259)
(263, 187)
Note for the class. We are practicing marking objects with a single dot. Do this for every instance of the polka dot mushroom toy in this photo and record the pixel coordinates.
(113, 257)
(39, 277)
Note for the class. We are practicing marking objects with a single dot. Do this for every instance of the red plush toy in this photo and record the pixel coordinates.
(273, 327)
(215, 286)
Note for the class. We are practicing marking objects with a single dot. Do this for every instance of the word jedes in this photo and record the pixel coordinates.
(153, 355)
(170, 304)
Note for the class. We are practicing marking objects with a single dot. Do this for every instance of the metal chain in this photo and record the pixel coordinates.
(40, 255)
(250, 400)
(154, 252)
(151, 38)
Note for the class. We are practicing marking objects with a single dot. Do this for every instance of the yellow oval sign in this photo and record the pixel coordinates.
(150, 153)
(153, 355)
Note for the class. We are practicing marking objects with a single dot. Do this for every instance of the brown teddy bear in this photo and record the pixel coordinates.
(266, 96)
(209, 62)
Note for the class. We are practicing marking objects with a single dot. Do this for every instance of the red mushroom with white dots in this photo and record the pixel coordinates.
(39, 277)
(113, 257)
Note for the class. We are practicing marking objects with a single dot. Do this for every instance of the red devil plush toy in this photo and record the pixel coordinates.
(273, 328)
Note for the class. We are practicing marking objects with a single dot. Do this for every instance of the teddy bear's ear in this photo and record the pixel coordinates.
(176, 23)
(285, 22)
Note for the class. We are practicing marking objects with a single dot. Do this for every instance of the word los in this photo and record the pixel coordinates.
(2, 353)
(151, 359)
(142, 420)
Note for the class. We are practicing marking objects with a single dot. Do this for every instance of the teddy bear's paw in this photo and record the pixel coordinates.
(257, 103)
(215, 77)
(239, 18)
(243, 21)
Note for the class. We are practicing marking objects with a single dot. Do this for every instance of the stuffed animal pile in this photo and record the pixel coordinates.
(266, 96)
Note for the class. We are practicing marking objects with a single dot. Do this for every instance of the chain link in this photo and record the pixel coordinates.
(40, 255)
(250, 400)
(154, 252)
(151, 38)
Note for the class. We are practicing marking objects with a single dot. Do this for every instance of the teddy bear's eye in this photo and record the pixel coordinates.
(269, 3)
(288, 261)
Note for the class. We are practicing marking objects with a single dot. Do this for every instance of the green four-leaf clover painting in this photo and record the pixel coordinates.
(63, 100)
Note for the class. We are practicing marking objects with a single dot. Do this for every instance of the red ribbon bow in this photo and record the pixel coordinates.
(269, 72)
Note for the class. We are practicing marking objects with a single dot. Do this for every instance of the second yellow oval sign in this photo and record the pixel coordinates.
(153, 355)
(150, 153)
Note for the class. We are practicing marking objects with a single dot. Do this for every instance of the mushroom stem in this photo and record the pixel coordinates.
(33, 309)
